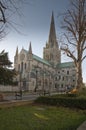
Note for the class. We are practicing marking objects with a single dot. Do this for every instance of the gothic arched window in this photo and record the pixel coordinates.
(18, 67)
(55, 78)
(21, 66)
(25, 66)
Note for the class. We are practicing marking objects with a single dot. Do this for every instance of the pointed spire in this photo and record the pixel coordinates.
(52, 33)
(30, 55)
(52, 18)
(30, 49)
(17, 51)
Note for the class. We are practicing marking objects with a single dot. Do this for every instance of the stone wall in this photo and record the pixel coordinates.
(8, 88)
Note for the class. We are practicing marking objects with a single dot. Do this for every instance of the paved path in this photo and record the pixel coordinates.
(24, 97)
(82, 126)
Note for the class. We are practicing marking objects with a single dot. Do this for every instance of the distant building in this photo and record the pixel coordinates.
(47, 73)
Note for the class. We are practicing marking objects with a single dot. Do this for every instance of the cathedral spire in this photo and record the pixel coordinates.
(30, 49)
(17, 51)
(30, 52)
(52, 52)
(52, 33)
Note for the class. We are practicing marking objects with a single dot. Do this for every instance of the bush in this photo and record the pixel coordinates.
(82, 92)
(70, 102)
(71, 95)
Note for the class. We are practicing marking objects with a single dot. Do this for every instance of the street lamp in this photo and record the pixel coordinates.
(20, 79)
(36, 81)
(43, 82)
(36, 71)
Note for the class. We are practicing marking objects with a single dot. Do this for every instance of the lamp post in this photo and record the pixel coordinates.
(20, 80)
(36, 81)
(52, 82)
(43, 82)
(50, 75)
(37, 70)
(49, 83)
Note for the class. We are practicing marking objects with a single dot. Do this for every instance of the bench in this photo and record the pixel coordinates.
(18, 94)
(46, 92)
(41, 92)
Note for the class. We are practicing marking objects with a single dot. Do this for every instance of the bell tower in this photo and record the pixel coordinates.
(51, 51)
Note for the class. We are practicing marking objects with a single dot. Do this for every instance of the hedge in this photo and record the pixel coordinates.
(71, 102)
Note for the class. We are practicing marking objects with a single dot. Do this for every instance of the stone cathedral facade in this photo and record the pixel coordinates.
(47, 73)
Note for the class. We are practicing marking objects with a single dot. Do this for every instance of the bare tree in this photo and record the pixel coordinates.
(8, 9)
(74, 24)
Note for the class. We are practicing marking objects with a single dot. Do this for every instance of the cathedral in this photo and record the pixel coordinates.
(47, 73)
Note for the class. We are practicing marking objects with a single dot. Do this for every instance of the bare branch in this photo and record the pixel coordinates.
(2, 5)
(84, 48)
(69, 54)
(70, 28)
(8, 8)
(83, 57)
(69, 40)
(2, 19)
(75, 27)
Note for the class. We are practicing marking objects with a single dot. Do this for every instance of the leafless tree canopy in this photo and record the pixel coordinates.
(8, 8)
(75, 32)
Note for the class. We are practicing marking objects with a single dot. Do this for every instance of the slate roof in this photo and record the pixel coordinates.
(65, 65)
(41, 60)
(59, 66)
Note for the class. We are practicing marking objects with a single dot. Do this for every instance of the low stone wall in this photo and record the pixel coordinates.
(8, 88)
(1, 97)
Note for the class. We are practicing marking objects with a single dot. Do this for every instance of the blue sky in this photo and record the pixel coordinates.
(34, 25)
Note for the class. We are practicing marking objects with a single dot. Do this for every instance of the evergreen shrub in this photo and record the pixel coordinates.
(71, 102)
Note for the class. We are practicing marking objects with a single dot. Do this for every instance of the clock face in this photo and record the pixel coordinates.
(22, 56)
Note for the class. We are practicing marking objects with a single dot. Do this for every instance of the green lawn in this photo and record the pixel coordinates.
(33, 117)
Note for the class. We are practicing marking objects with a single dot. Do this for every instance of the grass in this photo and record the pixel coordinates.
(39, 117)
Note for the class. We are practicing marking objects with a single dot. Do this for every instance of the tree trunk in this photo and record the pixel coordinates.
(79, 76)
